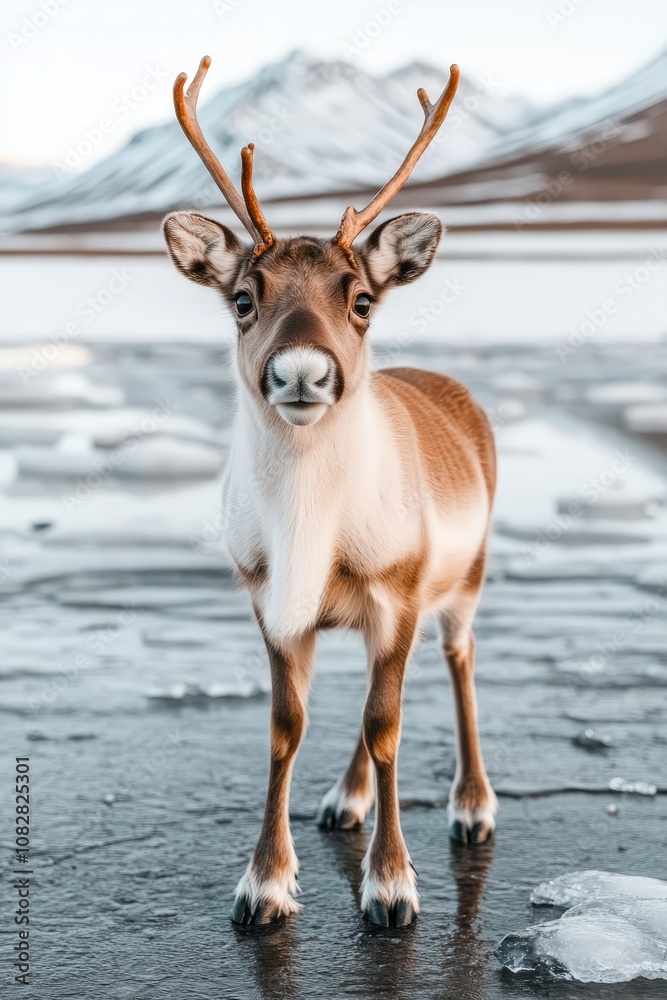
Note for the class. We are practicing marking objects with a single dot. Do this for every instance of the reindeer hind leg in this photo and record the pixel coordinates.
(472, 801)
(348, 802)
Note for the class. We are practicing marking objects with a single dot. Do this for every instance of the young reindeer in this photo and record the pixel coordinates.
(354, 498)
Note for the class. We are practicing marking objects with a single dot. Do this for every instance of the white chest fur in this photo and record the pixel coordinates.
(348, 496)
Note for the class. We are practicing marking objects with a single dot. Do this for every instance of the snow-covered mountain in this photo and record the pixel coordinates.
(569, 124)
(318, 127)
(329, 128)
(20, 184)
(608, 147)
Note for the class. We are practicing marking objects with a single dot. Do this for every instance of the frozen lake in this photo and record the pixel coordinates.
(484, 288)
(134, 677)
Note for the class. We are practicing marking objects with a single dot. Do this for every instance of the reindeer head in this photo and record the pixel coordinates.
(302, 305)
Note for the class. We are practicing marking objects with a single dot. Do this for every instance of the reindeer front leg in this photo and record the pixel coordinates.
(266, 891)
(388, 891)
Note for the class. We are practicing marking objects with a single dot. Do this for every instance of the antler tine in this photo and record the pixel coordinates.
(354, 222)
(185, 104)
(250, 198)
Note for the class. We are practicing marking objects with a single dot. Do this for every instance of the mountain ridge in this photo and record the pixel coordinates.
(327, 127)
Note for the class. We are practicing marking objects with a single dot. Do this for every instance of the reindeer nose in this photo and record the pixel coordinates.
(301, 375)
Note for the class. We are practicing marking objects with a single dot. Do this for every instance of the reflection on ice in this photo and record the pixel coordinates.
(614, 930)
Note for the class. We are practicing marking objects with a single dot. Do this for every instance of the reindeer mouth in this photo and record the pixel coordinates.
(302, 412)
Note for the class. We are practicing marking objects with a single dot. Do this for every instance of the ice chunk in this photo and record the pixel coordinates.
(160, 457)
(632, 787)
(622, 506)
(578, 887)
(74, 389)
(41, 461)
(597, 942)
(107, 428)
(166, 457)
(517, 381)
(615, 930)
(620, 393)
(591, 740)
(193, 694)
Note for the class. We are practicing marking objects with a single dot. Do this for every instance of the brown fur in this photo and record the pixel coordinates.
(453, 432)
(347, 594)
(358, 778)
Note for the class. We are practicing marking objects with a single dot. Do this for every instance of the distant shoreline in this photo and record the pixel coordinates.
(122, 238)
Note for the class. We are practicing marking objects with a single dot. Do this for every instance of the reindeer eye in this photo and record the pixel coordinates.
(243, 304)
(362, 305)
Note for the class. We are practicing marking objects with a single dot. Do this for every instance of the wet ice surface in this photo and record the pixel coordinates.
(134, 676)
(614, 930)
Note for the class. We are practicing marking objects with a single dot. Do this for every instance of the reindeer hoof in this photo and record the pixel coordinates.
(243, 913)
(342, 810)
(468, 826)
(265, 912)
(390, 900)
(329, 819)
(263, 901)
(399, 914)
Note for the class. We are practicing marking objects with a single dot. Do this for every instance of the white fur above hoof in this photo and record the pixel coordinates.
(340, 810)
(263, 901)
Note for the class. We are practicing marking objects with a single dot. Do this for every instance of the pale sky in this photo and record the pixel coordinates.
(69, 64)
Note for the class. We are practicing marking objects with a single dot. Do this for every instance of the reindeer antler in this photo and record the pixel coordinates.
(250, 214)
(354, 222)
(250, 198)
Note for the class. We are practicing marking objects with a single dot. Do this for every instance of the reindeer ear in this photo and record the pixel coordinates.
(204, 250)
(401, 249)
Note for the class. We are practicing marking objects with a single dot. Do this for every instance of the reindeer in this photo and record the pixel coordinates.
(354, 498)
